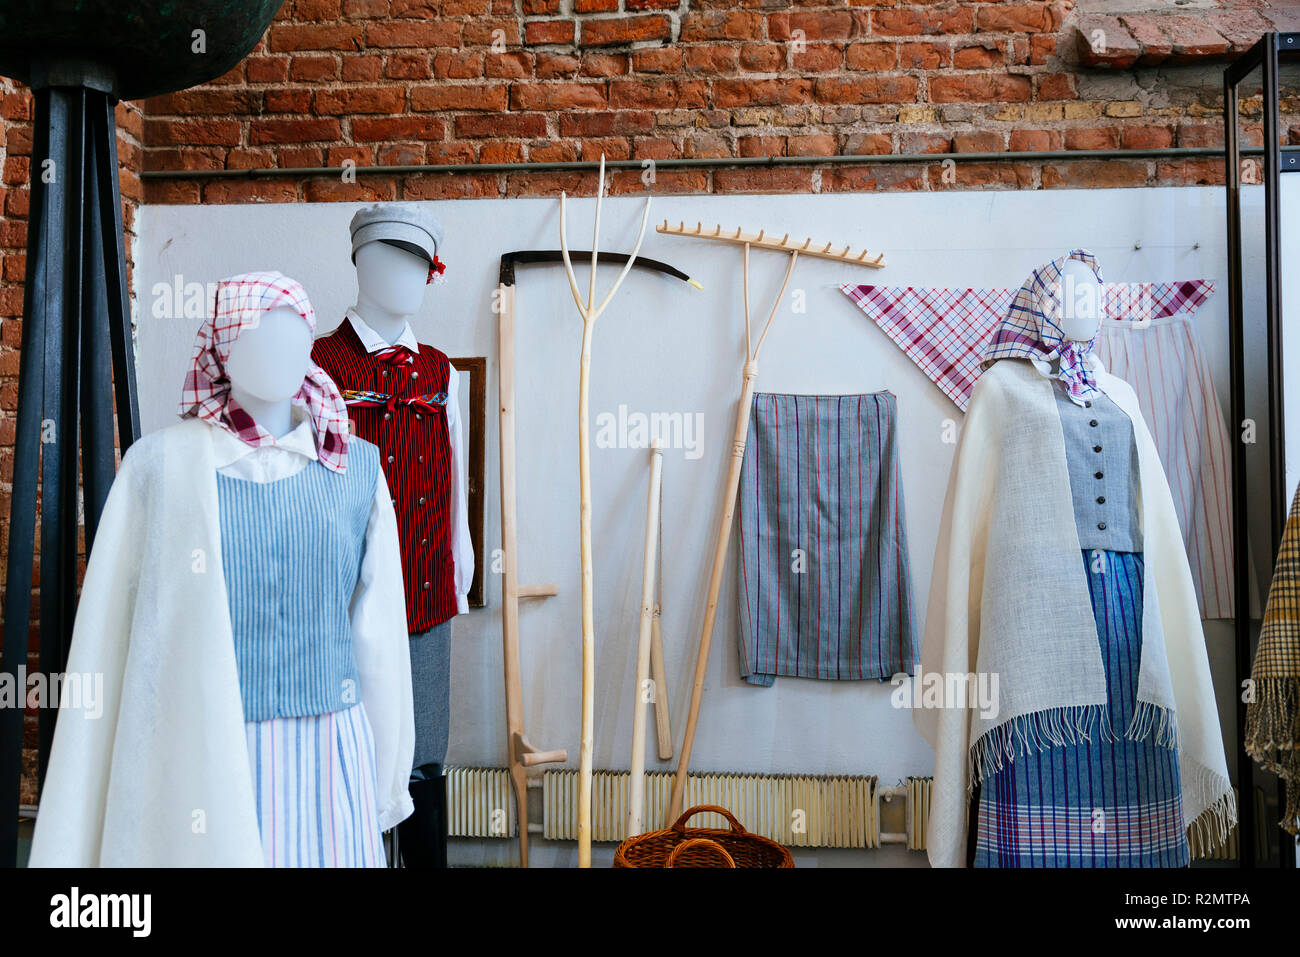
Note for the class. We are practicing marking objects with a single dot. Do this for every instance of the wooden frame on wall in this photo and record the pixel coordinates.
(474, 368)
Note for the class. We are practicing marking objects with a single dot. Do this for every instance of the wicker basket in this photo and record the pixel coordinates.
(679, 846)
(700, 852)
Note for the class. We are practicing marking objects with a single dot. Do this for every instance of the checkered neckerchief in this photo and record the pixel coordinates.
(1031, 328)
(945, 331)
(240, 303)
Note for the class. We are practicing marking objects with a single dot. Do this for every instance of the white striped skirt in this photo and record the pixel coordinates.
(1165, 364)
(315, 785)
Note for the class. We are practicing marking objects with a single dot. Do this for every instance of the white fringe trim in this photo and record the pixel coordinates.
(1058, 727)
(1211, 828)
(1154, 723)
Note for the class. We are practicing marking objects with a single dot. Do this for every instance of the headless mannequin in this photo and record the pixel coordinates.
(266, 367)
(1081, 301)
(1081, 307)
(391, 283)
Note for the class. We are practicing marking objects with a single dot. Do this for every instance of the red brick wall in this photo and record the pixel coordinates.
(394, 82)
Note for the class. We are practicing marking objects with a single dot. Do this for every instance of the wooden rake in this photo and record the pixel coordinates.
(749, 373)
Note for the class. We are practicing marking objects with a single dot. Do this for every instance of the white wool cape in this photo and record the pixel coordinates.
(1009, 597)
(161, 778)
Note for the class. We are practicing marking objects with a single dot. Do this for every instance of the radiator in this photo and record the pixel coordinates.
(794, 810)
(834, 810)
(480, 803)
(918, 812)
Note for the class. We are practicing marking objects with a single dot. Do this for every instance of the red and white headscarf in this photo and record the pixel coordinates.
(240, 302)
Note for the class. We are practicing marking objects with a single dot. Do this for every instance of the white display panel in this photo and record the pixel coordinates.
(665, 347)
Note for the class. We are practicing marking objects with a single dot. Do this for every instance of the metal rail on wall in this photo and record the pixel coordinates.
(719, 162)
(1263, 55)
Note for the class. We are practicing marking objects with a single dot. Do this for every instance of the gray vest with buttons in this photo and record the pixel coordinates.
(1101, 456)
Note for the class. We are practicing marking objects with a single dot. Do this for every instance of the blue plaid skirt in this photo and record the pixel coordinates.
(1098, 803)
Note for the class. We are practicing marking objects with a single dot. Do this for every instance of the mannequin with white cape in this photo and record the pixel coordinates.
(1061, 572)
(243, 603)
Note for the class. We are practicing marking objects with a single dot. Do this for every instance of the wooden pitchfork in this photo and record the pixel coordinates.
(590, 312)
(522, 754)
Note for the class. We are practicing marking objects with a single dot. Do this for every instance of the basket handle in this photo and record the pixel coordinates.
(700, 842)
(680, 824)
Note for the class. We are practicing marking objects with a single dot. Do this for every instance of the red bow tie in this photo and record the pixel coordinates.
(395, 356)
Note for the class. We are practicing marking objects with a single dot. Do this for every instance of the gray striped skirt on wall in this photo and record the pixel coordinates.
(824, 585)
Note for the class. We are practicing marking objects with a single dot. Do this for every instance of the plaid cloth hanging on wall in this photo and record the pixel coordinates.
(945, 331)
(825, 589)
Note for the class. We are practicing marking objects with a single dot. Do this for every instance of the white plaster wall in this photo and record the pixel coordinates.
(665, 347)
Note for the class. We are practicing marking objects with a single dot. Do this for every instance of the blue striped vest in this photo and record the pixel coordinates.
(291, 551)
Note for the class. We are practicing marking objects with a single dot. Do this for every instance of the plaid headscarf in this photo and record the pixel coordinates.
(240, 302)
(1273, 718)
(1031, 328)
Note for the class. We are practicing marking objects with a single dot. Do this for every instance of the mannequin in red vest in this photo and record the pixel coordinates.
(404, 397)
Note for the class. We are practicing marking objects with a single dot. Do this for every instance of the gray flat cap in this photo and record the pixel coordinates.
(406, 225)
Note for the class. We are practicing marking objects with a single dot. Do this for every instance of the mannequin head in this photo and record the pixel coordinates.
(390, 282)
(1081, 301)
(266, 367)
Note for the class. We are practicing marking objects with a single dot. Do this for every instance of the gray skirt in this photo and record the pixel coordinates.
(431, 691)
(825, 590)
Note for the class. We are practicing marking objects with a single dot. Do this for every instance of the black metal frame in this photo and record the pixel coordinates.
(76, 370)
(1263, 55)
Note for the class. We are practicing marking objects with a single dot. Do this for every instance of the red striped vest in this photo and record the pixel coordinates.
(415, 452)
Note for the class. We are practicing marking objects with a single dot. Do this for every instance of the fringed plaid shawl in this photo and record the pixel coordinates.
(1273, 718)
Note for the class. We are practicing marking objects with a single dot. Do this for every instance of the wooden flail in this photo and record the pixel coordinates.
(749, 374)
(644, 684)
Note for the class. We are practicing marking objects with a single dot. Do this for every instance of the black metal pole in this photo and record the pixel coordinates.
(59, 425)
(1273, 247)
(1276, 367)
(96, 350)
(114, 255)
(38, 283)
(1240, 525)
